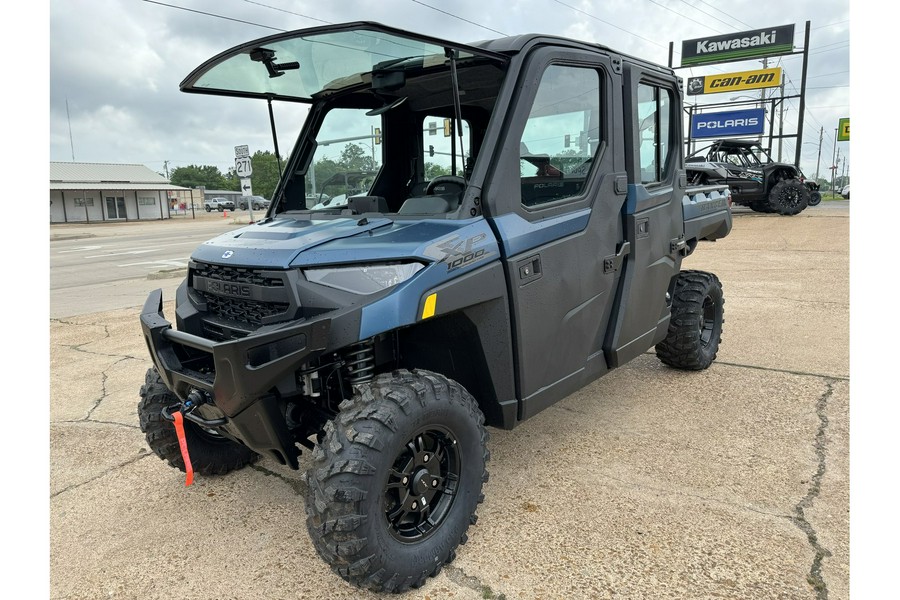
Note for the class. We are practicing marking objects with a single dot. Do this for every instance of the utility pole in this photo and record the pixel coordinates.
(819, 158)
(781, 122)
(833, 160)
(166, 166)
(69, 121)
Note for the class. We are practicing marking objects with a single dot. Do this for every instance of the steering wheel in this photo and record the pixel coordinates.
(447, 183)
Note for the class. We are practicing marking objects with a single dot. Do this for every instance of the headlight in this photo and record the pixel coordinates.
(363, 279)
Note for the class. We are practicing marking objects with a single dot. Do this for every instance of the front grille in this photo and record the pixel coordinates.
(251, 296)
(237, 275)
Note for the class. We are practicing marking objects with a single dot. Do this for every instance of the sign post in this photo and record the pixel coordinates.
(243, 166)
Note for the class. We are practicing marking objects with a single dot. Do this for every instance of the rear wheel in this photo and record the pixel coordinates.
(814, 198)
(396, 480)
(695, 329)
(211, 453)
(789, 196)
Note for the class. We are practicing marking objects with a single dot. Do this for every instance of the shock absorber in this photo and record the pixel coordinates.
(359, 360)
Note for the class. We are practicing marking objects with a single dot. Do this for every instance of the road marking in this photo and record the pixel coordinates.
(180, 264)
(126, 252)
(80, 249)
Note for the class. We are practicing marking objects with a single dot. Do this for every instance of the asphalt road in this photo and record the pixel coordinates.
(650, 483)
(114, 265)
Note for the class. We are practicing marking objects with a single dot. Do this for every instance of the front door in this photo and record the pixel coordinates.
(559, 194)
(115, 207)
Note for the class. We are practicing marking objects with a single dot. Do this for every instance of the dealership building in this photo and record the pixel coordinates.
(95, 192)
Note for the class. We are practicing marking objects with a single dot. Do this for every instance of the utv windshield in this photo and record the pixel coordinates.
(302, 64)
(396, 123)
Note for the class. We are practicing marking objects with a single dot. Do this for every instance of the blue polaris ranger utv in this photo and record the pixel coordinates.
(522, 235)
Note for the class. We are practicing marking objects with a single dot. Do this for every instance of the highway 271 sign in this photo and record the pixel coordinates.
(242, 165)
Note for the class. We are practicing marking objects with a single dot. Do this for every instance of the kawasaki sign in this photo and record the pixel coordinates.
(743, 45)
(728, 124)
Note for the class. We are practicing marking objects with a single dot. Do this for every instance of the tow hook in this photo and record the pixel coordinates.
(187, 408)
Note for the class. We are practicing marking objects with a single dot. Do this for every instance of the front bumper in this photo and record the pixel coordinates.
(238, 374)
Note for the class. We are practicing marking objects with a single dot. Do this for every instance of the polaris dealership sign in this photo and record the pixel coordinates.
(729, 123)
(742, 45)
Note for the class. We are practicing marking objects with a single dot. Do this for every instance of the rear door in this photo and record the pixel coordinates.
(558, 190)
(653, 214)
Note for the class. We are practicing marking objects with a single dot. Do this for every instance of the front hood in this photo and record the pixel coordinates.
(284, 242)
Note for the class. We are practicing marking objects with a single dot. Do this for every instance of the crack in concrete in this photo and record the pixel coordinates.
(82, 421)
(460, 578)
(143, 454)
(815, 578)
(299, 487)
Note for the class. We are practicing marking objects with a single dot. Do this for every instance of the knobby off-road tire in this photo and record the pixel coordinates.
(404, 437)
(211, 454)
(695, 329)
(789, 197)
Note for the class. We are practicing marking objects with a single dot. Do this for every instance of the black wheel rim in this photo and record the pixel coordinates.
(422, 484)
(708, 322)
(790, 197)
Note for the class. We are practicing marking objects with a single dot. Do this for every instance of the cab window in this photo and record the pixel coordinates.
(654, 131)
(562, 135)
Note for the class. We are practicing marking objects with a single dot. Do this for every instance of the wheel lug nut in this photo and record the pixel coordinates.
(434, 483)
(425, 458)
(405, 480)
(415, 506)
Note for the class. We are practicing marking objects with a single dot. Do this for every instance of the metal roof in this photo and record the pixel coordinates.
(68, 175)
(121, 186)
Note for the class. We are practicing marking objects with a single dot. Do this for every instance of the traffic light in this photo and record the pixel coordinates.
(377, 135)
(448, 127)
(430, 150)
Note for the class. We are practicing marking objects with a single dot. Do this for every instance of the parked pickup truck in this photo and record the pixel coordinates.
(385, 334)
(219, 204)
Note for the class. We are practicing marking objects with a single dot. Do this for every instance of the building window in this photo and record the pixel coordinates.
(84, 201)
(146, 201)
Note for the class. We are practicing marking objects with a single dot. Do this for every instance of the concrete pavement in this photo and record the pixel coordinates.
(650, 483)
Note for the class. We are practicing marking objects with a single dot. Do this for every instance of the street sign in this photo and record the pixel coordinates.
(844, 129)
(243, 167)
(240, 151)
(246, 187)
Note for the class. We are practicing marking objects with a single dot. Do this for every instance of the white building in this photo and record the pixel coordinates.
(89, 192)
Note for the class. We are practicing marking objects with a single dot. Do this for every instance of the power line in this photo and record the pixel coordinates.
(726, 14)
(449, 14)
(692, 7)
(209, 14)
(683, 16)
(587, 14)
(289, 12)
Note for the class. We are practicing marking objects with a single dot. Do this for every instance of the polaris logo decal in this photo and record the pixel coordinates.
(770, 41)
(728, 123)
(228, 254)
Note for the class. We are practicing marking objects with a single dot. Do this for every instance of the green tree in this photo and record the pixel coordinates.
(193, 176)
(433, 170)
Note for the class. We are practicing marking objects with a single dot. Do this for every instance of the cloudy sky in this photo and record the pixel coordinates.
(115, 65)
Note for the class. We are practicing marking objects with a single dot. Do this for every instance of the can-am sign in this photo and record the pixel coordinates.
(742, 45)
(734, 82)
(729, 123)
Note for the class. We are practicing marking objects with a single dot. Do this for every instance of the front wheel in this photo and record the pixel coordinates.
(211, 453)
(789, 197)
(814, 198)
(208, 209)
(396, 480)
(695, 328)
